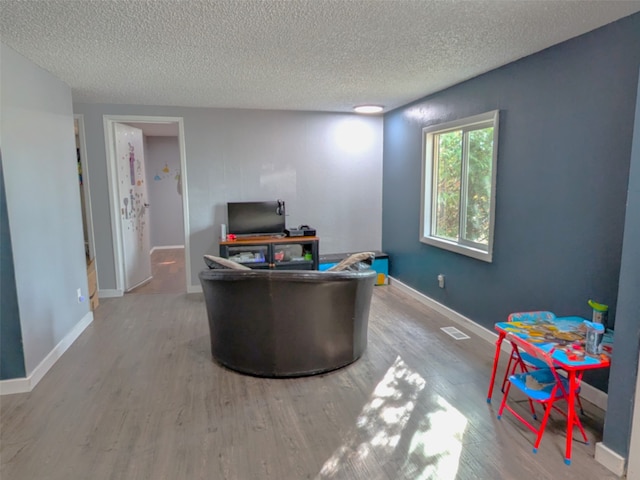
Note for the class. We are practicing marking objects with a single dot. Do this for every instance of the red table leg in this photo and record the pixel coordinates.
(571, 412)
(496, 357)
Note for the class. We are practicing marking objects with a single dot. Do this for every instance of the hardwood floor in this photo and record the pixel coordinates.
(138, 396)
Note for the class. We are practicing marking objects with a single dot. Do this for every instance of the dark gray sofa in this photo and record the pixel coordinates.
(283, 323)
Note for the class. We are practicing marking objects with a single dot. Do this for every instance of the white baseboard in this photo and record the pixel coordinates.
(143, 282)
(166, 247)
(594, 395)
(610, 459)
(588, 392)
(194, 289)
(452, 315)
(14, 385)
(110, 293)
(24, 385)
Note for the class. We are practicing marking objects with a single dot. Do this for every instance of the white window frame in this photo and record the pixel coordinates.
(427, 211)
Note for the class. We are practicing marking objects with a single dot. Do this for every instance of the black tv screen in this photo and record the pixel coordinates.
(256, 218)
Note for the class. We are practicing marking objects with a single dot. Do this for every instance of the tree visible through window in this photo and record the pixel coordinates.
(458, 185)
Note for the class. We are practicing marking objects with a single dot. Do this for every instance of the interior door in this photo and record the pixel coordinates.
(133, 198)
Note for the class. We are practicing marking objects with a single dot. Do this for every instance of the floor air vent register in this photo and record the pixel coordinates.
(455, 333)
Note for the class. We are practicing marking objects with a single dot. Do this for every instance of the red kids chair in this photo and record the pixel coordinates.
(525, 362)
(544, 386)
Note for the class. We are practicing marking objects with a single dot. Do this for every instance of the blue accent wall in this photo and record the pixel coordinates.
(11, 352)
(566, 128)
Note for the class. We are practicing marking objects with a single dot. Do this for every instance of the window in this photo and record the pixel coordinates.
(458, 185)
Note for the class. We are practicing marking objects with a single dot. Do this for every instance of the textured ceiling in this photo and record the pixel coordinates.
(321, 55)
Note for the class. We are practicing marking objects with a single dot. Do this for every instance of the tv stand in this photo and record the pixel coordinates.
(282, 253)
(257, 238)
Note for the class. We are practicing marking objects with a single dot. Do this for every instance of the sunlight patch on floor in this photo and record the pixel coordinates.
(429, 449)
(380, 424)
(440, 441)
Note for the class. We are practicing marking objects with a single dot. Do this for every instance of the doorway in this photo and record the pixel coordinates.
(85, 205)
(165, 176)
(83, 182)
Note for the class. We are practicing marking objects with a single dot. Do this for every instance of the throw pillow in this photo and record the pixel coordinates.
(219, 263)
(356, 261)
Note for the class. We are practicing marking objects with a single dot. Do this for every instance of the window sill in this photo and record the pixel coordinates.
(485, 256)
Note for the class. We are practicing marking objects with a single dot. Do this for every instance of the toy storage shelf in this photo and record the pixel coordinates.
(289, 253)
(380, 264)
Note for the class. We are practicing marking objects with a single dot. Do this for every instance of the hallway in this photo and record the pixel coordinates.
(167, 268)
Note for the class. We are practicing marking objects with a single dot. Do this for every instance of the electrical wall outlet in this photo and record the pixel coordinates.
(441, 280)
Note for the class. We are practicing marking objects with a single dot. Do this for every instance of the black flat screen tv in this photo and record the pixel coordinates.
(256, 218)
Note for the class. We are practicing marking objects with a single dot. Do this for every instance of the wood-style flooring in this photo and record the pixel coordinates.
(167, 270)
(138, 396)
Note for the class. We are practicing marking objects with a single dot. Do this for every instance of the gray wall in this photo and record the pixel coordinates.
(566, 124)
(11, 352)
(327, 168)
(166, 219)
(617, 428)
(43, 203)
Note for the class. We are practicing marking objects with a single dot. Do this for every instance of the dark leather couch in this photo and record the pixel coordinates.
(279, 323)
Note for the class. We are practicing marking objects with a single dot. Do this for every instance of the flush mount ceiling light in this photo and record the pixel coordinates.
(368, 109)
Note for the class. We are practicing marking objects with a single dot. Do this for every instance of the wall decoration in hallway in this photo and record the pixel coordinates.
(166, 172)
(173, 173)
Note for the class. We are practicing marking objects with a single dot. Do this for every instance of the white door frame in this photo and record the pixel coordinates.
(114, 202)
(86, 186)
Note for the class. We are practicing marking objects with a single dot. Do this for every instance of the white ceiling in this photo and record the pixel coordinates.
(319, 55)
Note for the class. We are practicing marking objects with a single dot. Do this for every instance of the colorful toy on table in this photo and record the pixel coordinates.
(567, 335)
(547, 332)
